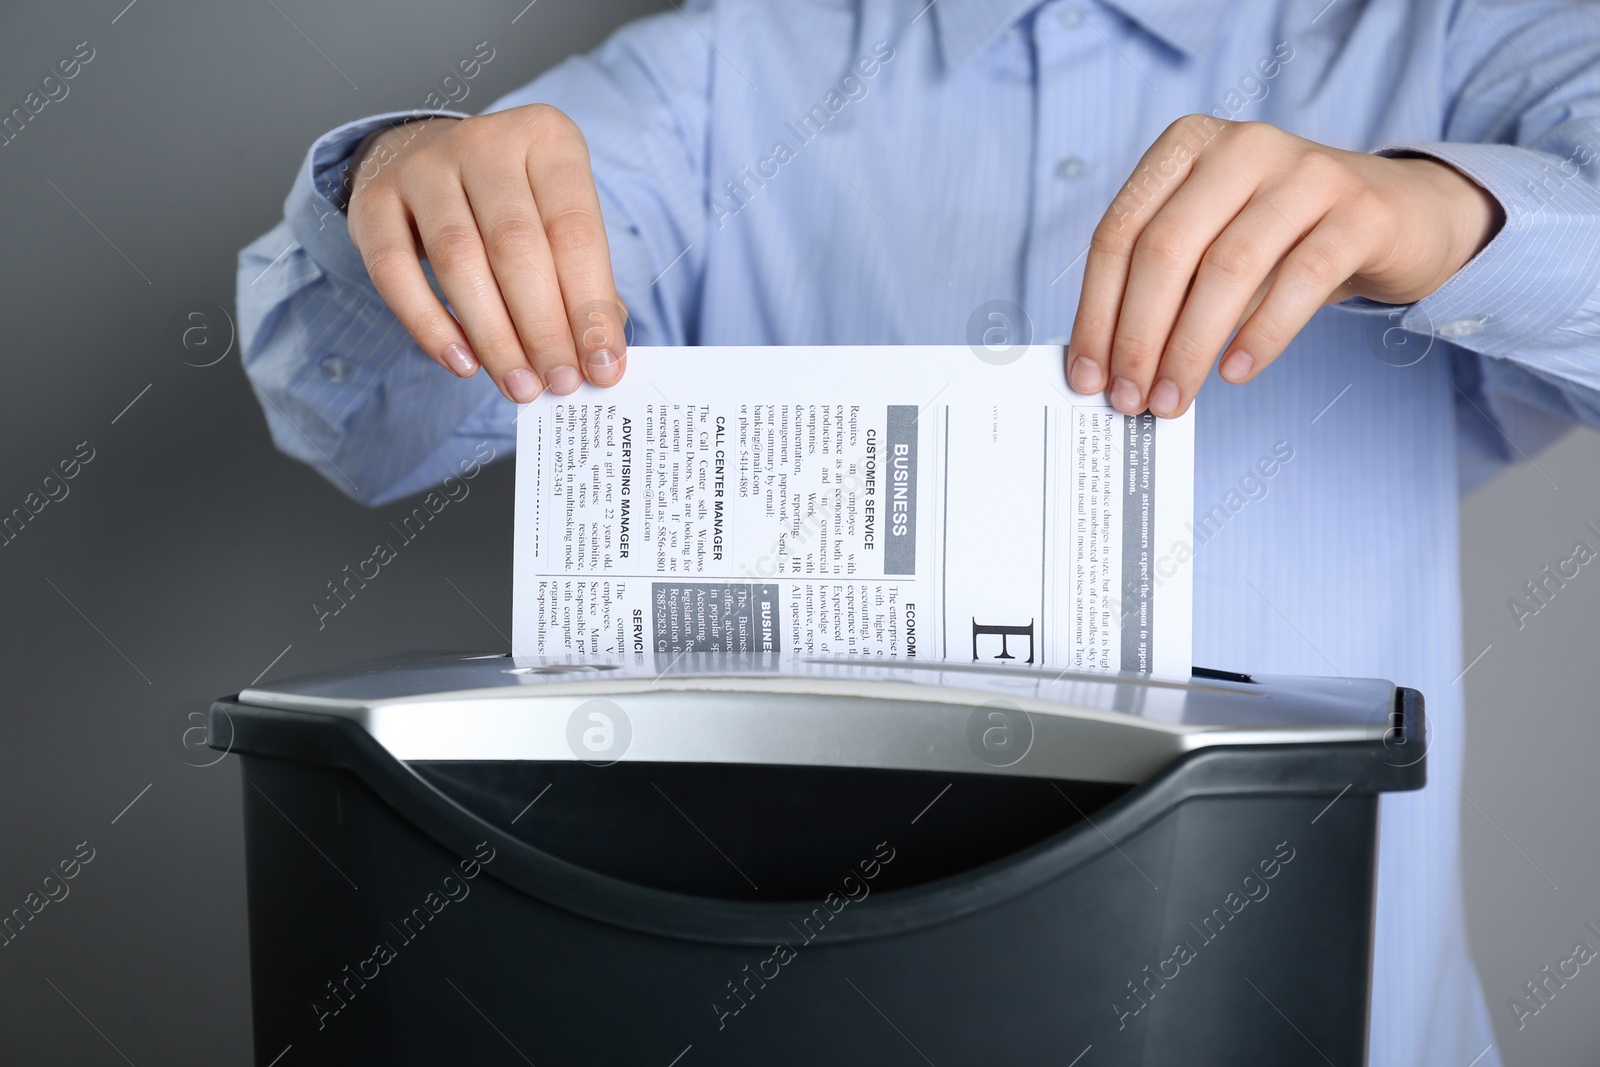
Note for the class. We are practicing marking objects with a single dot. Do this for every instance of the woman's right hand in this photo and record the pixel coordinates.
(504, 208)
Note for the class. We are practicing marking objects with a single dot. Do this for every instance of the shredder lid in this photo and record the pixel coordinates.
(706, 708)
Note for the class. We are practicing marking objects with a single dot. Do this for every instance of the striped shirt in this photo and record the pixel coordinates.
(880, 171)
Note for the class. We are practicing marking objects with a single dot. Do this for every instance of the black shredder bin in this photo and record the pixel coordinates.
(459, 859)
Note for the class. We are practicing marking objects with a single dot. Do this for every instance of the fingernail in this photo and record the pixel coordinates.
(1085, 376)
(522, 386)
(1164, 398)
(603, 364)
(460, 360)
(1236, 365)
(1125, 396)
(563, 379)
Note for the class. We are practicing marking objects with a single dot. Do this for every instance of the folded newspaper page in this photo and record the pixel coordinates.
(938, 502)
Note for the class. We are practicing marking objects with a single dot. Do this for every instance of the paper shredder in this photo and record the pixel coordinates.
(478, 859)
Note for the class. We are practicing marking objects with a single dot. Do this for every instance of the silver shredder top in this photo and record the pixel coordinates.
(901, 714)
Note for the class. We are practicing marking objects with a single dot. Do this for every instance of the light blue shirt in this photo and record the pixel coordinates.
(873, 171)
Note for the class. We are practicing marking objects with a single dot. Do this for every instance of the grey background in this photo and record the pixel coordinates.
(185, 559)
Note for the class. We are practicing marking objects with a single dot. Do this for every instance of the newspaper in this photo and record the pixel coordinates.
(880, 502)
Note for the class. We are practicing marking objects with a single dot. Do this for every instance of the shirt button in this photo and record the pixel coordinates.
(1071, 17)
(1463, 327)
(334, 368)
(1070, 169)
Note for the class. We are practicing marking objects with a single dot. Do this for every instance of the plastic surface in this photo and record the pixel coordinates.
(1208, 699)
(828, 713)
(1005, 920)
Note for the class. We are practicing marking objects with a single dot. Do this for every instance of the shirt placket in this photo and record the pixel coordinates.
(1081, 110)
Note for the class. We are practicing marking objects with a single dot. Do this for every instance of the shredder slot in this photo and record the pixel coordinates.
(764, 832)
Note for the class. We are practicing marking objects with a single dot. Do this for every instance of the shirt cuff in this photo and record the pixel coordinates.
(316, 202)
(1537, 272)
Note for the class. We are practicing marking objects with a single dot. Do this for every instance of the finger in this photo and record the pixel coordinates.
(563, 186)
(1165, 262)
(381, 229)
(1159, 173)
(525, 274)
(450, 236)
(1233, 272)
(1314, 271)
